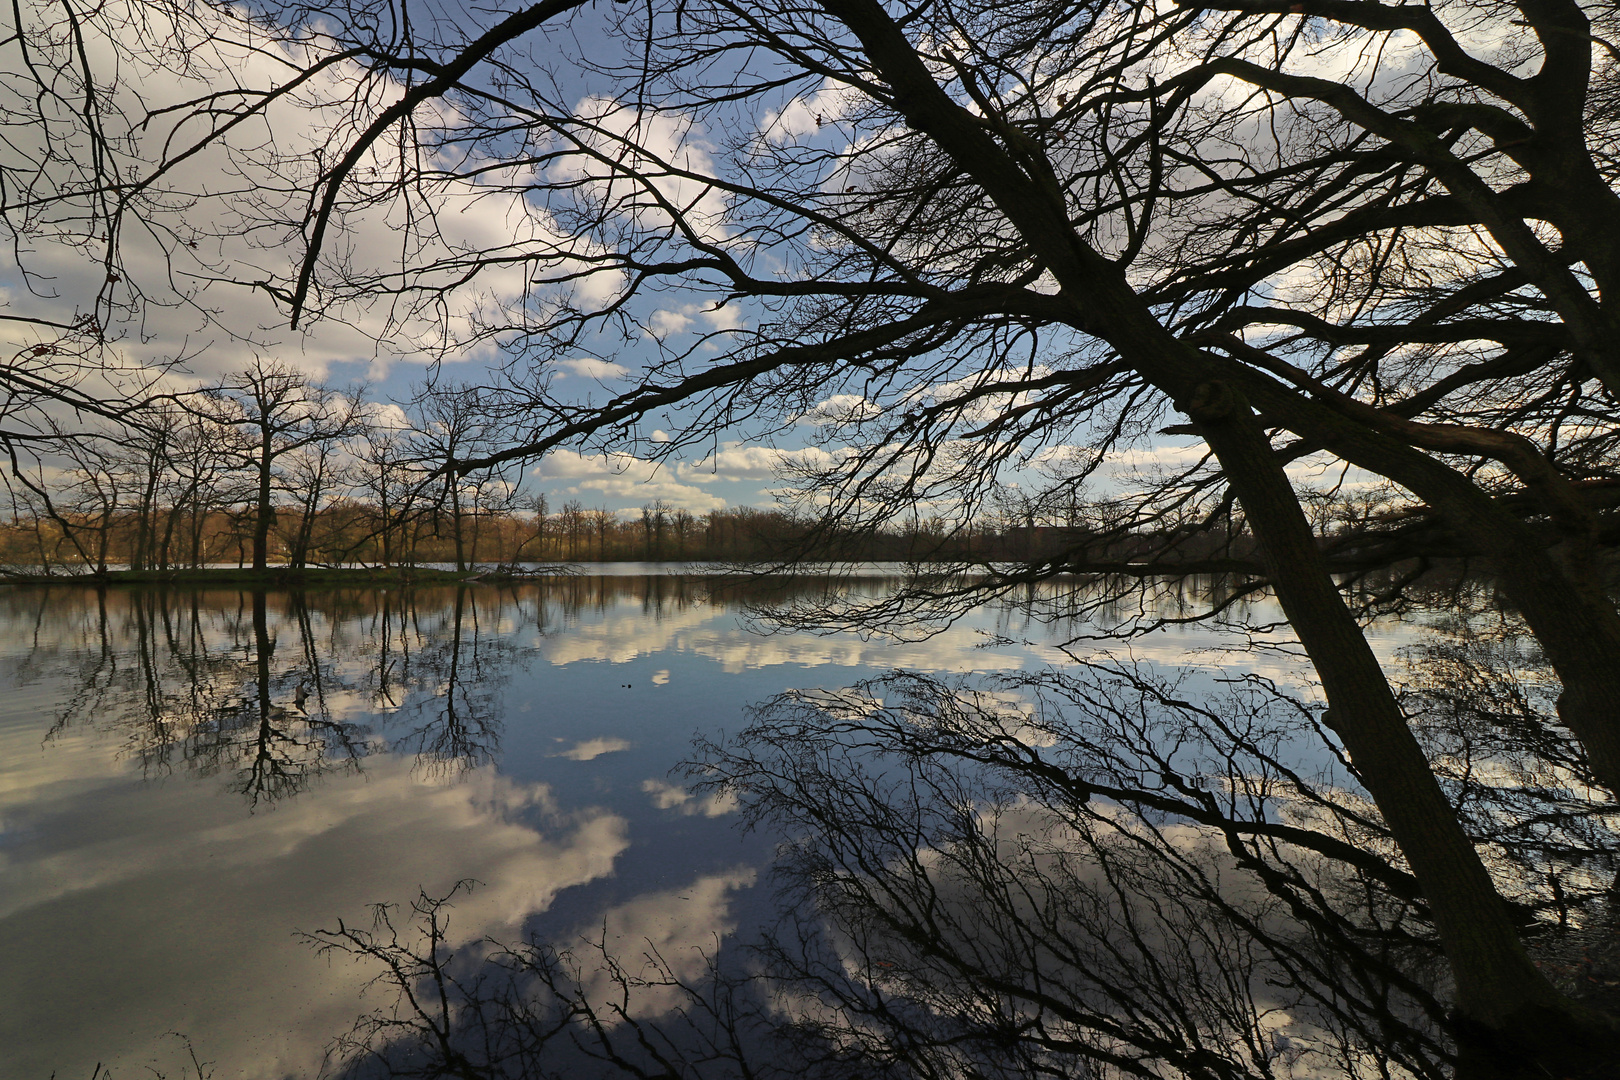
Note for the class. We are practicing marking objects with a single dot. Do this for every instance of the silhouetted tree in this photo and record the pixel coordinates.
(271, 411)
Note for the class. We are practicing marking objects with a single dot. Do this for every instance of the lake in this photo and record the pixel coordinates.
(189, 780)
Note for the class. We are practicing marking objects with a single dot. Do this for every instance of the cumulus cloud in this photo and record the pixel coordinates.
(737, 462)
(804, 115)
(665, 322)
(664, 150)
(386, 416)
(592, 368)
(841, 409)
(624, 476)
(662, 323)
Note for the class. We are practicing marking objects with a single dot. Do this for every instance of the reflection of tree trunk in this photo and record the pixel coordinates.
(102, 630)
(156, 736)
(306, 638)
(262, 768)
(261, 651)
(453, 684)
(386, 643)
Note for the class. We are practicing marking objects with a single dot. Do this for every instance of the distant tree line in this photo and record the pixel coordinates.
(269, 467)
(99, 516)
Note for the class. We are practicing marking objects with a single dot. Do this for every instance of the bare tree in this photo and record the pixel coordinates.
(83, 492)
(274, 411)
(452, 427)
(1032, 227)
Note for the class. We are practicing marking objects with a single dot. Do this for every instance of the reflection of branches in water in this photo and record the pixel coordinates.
(1081, 875)
(195, 680)
(453, 718)
(277, 689)
(210, 681)
(1088, 873)
(1484, 704)
(535, 1012)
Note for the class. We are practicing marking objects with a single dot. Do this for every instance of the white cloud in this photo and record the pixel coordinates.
(592, 368)
(668, 321)
(662, 323)
(664, 150)
(723, 317)
(841, 409)
(757, 462)
(624, 476)
(801, 116)
(386, 416)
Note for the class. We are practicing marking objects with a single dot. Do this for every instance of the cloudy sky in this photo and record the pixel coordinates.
(187, 290)
(199, 282)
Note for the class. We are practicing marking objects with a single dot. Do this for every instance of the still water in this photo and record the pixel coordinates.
(190, 779)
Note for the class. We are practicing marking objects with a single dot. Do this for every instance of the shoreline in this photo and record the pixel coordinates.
(285, 576)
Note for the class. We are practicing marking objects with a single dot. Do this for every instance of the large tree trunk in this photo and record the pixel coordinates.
(265, 512)
(456, 523)
(1510, 1014)
(1573, 620)
(1514, 1022)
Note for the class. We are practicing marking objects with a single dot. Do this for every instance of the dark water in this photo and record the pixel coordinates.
(189, 779)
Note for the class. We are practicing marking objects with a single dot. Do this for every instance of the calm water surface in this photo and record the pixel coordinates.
(190, 779)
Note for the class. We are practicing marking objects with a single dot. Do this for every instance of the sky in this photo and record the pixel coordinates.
(185, 293)
(188, 289)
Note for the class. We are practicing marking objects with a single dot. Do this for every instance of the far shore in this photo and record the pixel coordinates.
(285, 576)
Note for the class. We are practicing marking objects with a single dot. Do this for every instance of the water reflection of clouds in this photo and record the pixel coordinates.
(162, 901)
(591, 749)
(987, 640)
(165, 902)
(956, 649)
(667, 796)
(625, 633)
(671, 932)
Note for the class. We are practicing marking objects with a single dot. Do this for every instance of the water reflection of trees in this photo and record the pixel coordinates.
(1092, 875)
(1085, 875)
(274, 690)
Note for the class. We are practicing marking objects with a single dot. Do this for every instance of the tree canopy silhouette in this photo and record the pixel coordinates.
(964, 237)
